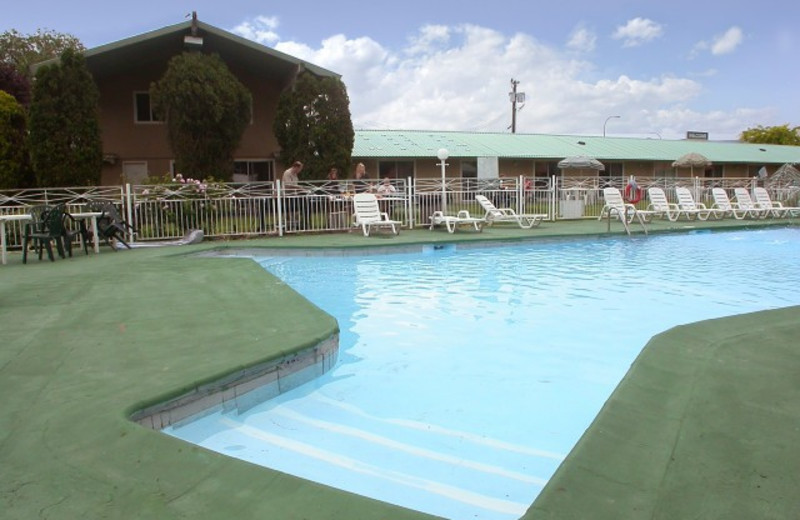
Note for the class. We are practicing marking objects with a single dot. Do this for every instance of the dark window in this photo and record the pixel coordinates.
(396, 169)
(256, 170)
(142, 108)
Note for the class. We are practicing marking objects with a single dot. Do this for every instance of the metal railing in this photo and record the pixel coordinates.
(229, 210)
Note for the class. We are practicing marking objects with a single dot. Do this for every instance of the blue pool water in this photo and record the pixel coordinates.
(465, 376)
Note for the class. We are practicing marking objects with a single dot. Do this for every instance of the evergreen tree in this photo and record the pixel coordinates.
(65, 144)
(206, 110)
(313, 125)
(12, 143)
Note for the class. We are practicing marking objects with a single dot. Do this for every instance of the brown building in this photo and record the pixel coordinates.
(135, 143)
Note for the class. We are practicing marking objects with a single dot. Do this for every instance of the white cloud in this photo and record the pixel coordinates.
(582, 40)
(722, 44)
(458, 78)
(727, 42)
(638, 31)
(260, 29)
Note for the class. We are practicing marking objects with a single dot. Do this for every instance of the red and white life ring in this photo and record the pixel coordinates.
(633, 193)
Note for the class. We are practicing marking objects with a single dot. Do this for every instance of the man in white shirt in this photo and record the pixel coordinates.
(290, 180)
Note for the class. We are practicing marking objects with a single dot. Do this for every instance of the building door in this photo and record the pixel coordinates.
(134, 172)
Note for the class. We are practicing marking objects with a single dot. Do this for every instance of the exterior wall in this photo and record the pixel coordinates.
(126, 140)
(736, 170)
(430, 169)
(516, 167)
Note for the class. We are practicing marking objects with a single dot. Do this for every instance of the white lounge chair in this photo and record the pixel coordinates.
(659, 205)
(453, 222)
(689, 207)
(368, 214)
(496, 215)
(723, 205)
(764, 201)
(616, 206)
(745, 202)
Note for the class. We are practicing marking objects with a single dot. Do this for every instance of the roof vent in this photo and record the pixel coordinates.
(581, 143)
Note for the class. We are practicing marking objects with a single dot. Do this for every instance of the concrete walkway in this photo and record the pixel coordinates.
(705, 425)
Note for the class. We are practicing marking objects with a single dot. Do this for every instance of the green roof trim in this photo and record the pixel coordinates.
(424, 144)
(185, 27)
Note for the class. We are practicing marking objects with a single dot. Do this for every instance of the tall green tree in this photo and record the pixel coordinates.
(13, 153)
(23, 50)
(772, 135)
(313, 125)
(65, 144)
(206, 109)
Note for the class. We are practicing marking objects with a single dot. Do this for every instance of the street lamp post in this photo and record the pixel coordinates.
(443, 154)
(604, 124)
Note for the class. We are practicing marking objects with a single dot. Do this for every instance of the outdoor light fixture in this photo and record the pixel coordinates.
(604, 124)
(443, 154)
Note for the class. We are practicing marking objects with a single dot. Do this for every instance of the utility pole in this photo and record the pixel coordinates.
(515, 98)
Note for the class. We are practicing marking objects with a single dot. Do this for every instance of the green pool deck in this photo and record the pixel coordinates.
(706, 424)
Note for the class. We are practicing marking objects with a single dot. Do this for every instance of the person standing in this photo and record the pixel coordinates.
(291, 177)
(332, 186)
(361, 184)
(291, 181)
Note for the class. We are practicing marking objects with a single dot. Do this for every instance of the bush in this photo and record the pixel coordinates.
(13, 163)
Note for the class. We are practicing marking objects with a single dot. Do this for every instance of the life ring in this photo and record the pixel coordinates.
(633, 193)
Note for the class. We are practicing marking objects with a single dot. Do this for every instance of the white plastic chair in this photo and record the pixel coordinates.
(659, 205)
(368, 214)
(495, 214)
(453, 222)
(745, 202)
(764, 201)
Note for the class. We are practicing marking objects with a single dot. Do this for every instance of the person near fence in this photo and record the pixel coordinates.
(291, 188)
(386, 188)
(361, 183)
(332, 186)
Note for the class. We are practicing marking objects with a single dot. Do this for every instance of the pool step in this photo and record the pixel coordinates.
(498, 478)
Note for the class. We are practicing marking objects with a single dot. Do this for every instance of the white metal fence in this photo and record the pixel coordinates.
(228, 210)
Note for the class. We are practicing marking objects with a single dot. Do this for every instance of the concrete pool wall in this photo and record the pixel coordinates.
(244, 388)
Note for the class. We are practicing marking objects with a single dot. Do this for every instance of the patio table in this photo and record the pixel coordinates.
(86, 215)
(92, 217)
(9, 218)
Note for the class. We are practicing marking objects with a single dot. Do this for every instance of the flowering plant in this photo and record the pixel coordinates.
(180, 187)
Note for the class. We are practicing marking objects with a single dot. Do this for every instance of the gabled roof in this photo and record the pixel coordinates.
(142, 49)
(418, 143)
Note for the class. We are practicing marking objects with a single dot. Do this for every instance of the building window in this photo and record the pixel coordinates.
(614, 170)
(142, 109)
(253, 170)
(469, 174)
(396, 169)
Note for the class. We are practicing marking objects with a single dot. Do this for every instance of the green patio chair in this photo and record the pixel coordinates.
(110, 225)
(39, 232)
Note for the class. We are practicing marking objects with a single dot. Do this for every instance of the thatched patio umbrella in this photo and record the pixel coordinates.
(691, 160)
(581, 162)
(786, 175)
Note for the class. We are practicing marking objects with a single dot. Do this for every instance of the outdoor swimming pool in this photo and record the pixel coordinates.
(465, 376)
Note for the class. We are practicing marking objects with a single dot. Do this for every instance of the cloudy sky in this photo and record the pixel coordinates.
(664, 67)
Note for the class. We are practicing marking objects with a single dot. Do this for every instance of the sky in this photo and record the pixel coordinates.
(663, 67)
